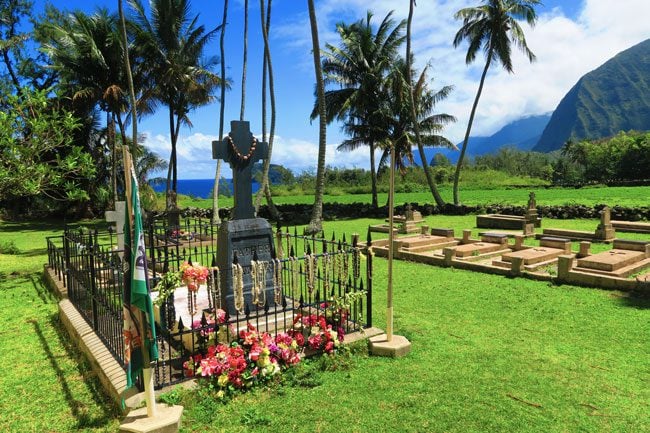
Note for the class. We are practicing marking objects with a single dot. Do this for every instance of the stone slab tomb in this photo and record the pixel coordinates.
(426, 242)
(534, 257)
(604, 232)
(511, 222)
(626, 258)
(489, 243)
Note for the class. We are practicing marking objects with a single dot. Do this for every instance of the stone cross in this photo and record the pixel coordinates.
(117, 216)
(236, 151)
(531, 200)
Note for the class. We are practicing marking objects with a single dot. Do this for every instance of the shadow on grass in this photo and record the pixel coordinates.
(84, 419)
(639, 300)
(41, 288)
(44, 225)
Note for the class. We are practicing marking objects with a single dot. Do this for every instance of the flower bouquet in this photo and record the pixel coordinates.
(193, 276)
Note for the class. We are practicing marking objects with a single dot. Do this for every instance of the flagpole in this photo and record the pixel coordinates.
(149, 395)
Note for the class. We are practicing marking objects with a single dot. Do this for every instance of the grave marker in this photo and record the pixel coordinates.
(244, 234)
(117, 216)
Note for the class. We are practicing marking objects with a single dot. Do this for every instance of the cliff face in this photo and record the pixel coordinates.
(614, 97)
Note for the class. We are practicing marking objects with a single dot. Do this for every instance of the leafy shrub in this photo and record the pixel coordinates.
(9, 248)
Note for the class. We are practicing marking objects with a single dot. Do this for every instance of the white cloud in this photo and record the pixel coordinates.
(566, 49)
(195, 155)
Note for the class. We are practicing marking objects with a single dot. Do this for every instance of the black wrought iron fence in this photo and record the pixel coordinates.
(313, 278)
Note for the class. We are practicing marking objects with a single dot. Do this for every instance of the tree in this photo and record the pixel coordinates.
(316, 222)
(87, 53)
(37, 154)
(358, 67)
(267, 67)
(403, 129)
(171, 46)
(222, 107)
(492, 27)
(425, 165)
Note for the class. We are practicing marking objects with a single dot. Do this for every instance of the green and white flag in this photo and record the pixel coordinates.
(137, 296)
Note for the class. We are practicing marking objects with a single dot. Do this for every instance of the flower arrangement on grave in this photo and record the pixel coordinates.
(193, 275)
(180, 234)
(320, 335)
(255, 358)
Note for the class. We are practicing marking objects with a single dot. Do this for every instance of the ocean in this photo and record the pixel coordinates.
(201, 188)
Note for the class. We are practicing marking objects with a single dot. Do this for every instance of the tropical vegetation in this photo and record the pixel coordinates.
(493, 28)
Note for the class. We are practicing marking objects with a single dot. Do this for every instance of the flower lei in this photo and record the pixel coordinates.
(242, 158)
(310, 270)
(277, 281)
(238, 287)
(258, 275)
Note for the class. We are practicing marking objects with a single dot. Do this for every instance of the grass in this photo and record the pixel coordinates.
(45, 385)
(589, 196)
(489, 354)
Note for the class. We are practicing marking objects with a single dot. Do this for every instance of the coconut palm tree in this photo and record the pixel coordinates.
(401, 131)
(492, 27)
(171, 45)
(358, 68)
(222, 106)
(316, 222)
(87, 54)
(425, 164)
(267, 69)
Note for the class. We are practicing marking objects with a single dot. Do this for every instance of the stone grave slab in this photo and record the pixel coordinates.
(477, 248)
(532, 256)
(423, 243)
(631, 226)
(611, 260)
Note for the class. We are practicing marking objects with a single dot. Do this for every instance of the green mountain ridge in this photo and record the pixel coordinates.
(614, 97)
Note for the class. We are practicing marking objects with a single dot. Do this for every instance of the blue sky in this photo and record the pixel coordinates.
(572, 37)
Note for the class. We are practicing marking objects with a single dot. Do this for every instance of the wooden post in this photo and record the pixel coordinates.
(391, 235)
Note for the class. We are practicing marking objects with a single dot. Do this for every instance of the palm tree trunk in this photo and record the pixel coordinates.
(265, 189)
(461, 158)
(170, 199)
(129, 79)
(222, 108)
(416, 126)
(111, 143)
(244, 63)
(316, 223)
(373, 175)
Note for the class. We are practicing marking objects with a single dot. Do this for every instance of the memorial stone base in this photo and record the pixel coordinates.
(244, 237)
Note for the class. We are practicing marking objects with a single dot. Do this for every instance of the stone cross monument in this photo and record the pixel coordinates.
(241, 150)
(244, 234)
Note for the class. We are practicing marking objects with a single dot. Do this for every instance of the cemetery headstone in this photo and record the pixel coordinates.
(117, 217)
(605, 229)
(244, 234)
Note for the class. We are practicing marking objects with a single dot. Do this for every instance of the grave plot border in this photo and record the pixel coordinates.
(87, 265)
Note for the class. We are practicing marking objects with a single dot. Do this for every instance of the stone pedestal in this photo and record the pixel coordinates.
(397, 347)
(245, 237)
(167, 420)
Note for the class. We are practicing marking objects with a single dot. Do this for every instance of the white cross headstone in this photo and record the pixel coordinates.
(117, 216)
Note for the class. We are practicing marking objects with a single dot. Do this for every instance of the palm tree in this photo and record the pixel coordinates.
(358, 67)
(267, 66)
(316, 223)
(88, 56)
(172, 46)
(425, 164)
(222, 106)
(403, 99)
(492, 27)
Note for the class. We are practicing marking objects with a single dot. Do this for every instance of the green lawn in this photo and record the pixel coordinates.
(590, 196)
(489, 354)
